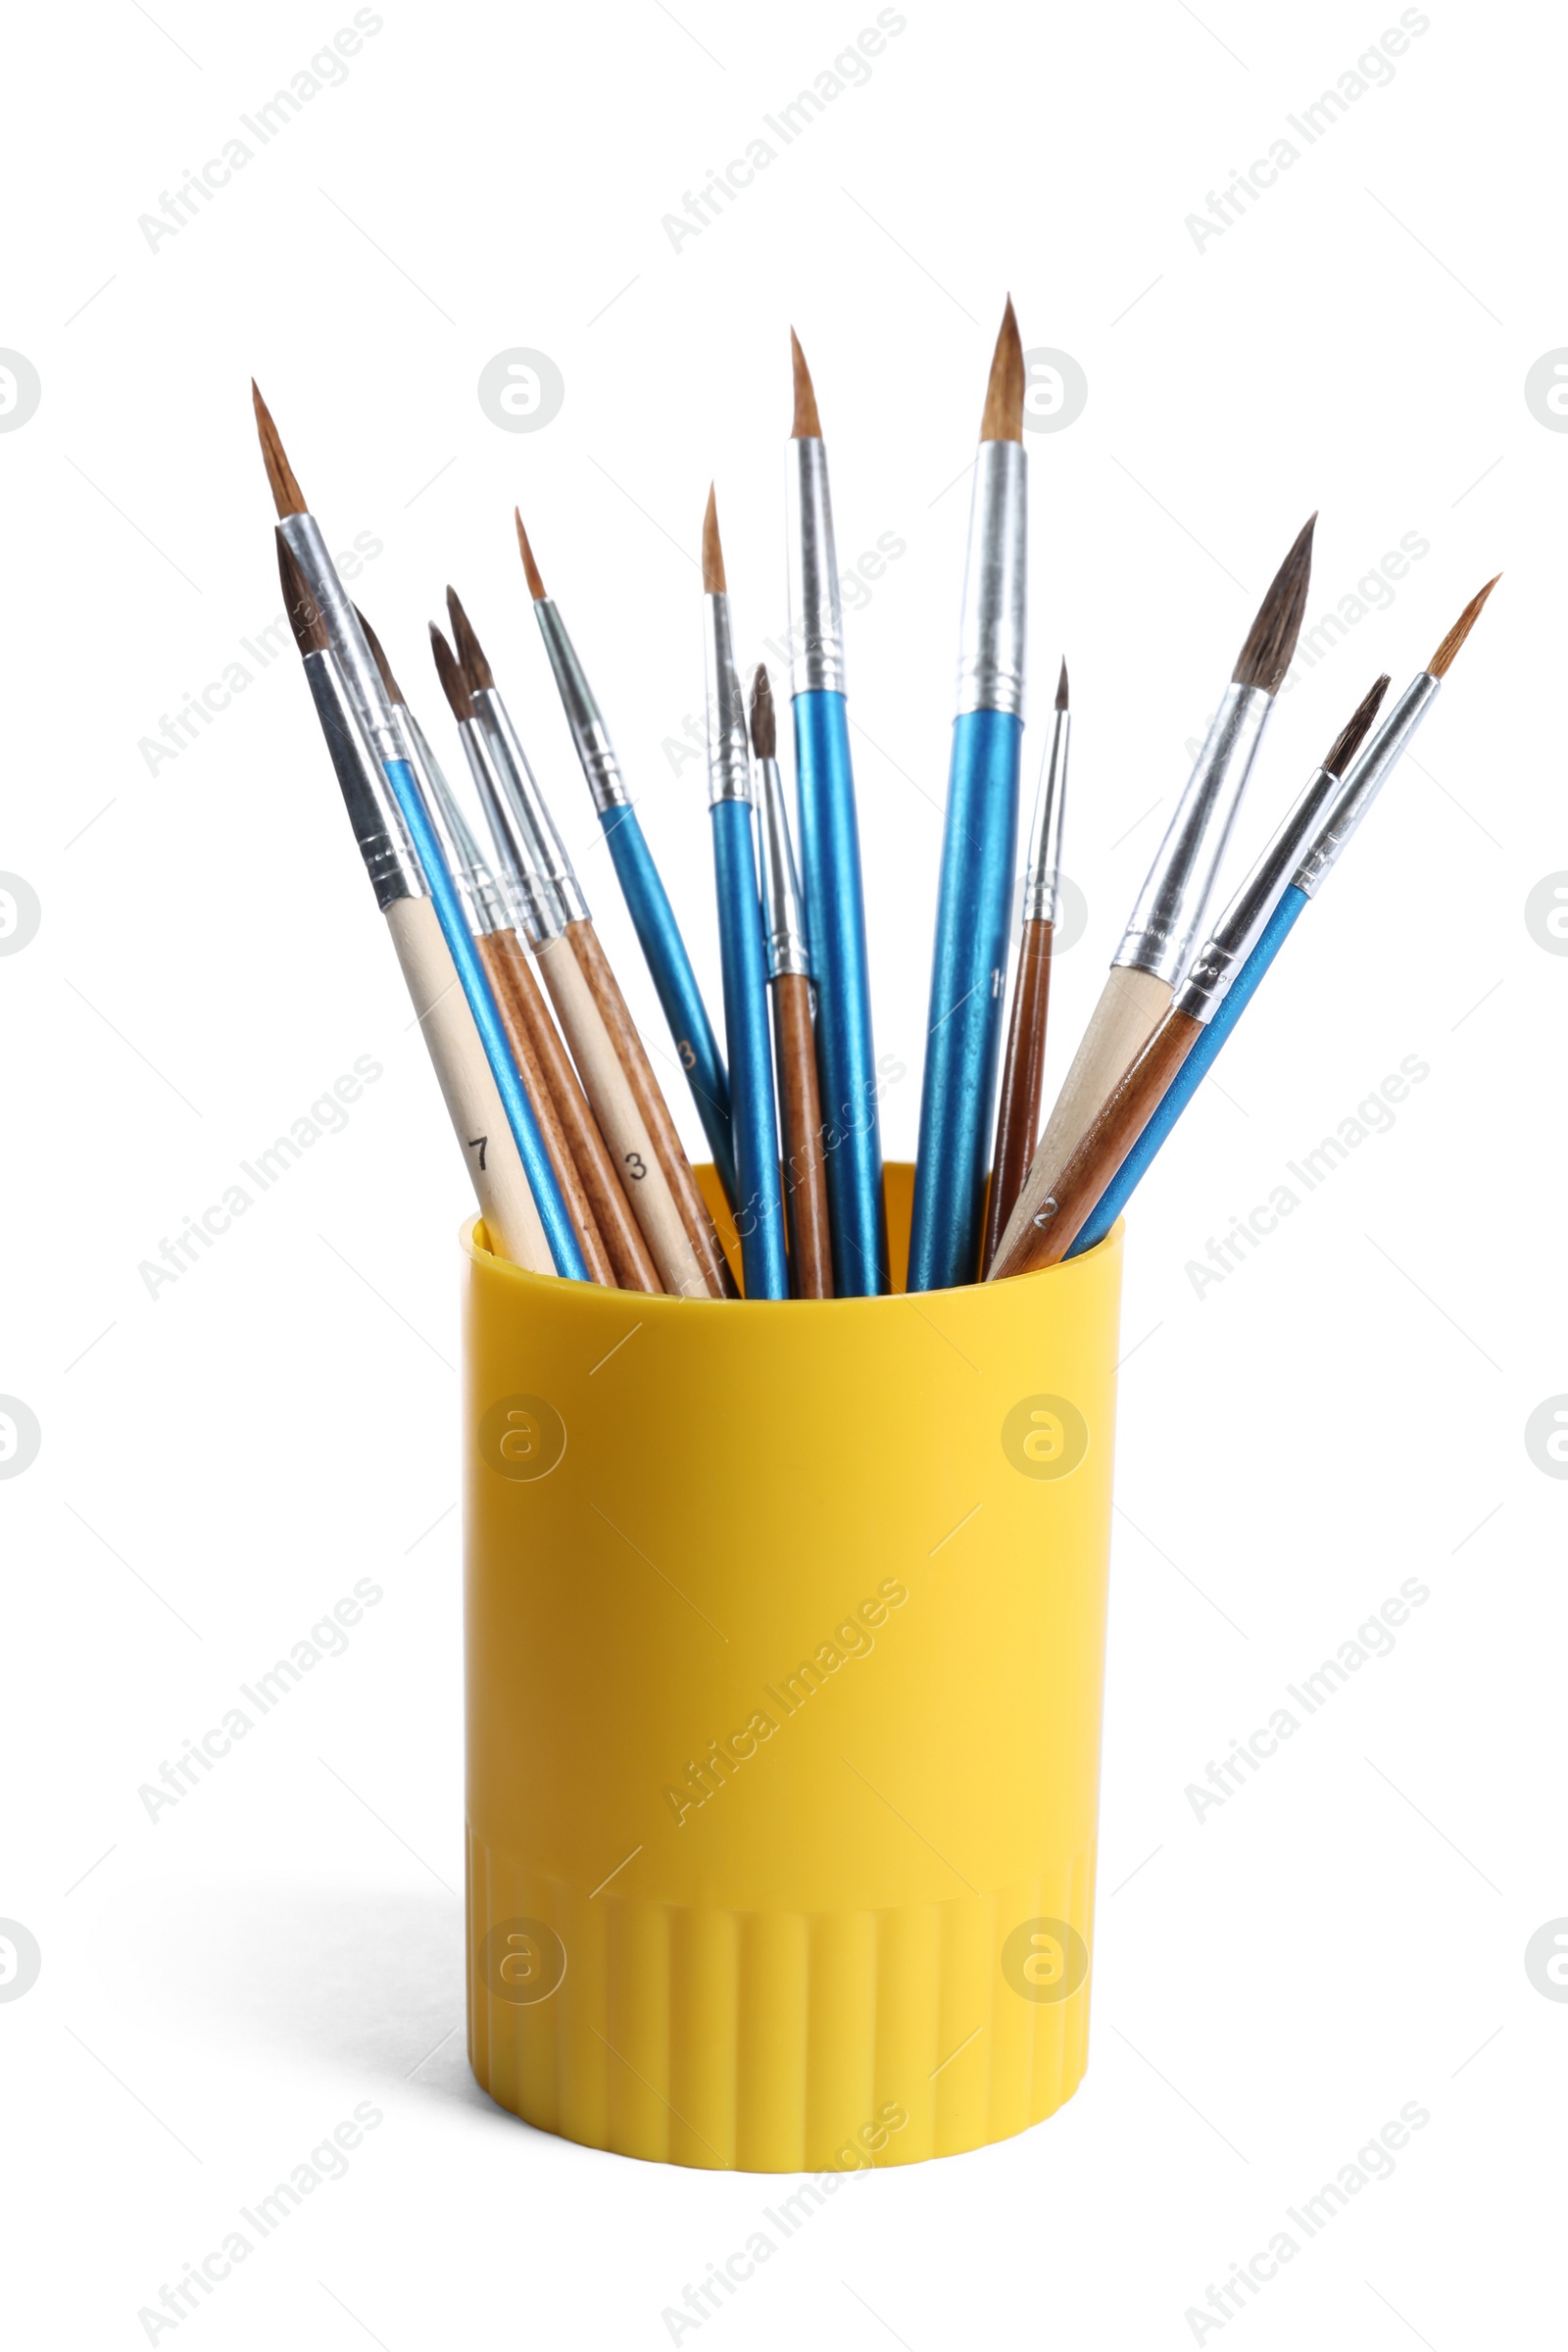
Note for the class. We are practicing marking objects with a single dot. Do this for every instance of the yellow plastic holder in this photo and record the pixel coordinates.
(785, 1633)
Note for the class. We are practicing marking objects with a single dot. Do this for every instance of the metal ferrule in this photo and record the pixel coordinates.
(991, 632)
(549, 856)
(1158, 938)
(1042, 873)
(817, 611)
(302, 535)
(388, 853)
(729, 751)
(584, 715)
(1245, 920)
(1360, 787)
(533, 904)
(483, 906)
(782, 918)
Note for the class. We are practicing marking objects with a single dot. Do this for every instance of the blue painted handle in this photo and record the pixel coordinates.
(846, 1059)
(671, 967)
(754, 1120)
(564, 1248)
(1189, 1077)
(968, 979)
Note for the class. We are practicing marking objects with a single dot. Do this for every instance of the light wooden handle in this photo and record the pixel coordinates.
(509, 981)
(614, 1107)
(633, 1267)
(1130, 1003)
(648, 1097)
(473, 1103)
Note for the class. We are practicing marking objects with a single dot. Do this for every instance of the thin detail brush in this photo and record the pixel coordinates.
(1024, 1067)
(653, 918)
(789, 985)
(979, 842)
(830, 861)
(753, 1121)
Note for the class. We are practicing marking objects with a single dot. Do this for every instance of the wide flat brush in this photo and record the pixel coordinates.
(451, 1040)
(979, 842)
(1058, 1221)
(830, 861)
(647, 901)
(754, 1120)
(1170, 907)
(1024, 1067)
(789, 986)
(559, 875)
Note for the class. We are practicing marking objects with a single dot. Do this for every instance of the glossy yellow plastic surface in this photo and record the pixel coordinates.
(785, 1647)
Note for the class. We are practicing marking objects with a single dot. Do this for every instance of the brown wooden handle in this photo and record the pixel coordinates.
(805, 1170)
(1022, 1084)
(1111, 1134)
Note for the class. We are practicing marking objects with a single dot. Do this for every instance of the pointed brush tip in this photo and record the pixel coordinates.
(712, 550)
(1061, 687)
(764, 732)
(530, 570)
(287, 496)
(1443, 659)
(1270, 647)
(1002, 420)
(806, 424)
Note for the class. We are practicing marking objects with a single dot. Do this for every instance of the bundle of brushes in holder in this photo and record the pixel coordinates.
(742, 1892)
(582, 1171)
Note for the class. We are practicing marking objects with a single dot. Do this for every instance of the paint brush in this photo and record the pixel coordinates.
(970, 958)
(1168, 915)
(555, 868)
(1055, 1223)
(391, 746)
(1023, 1069)
(1359, 789)
(789, 985)
(604, 1080)
(467, 1088)
(830, 861)
(632, 1263)
(536, 1046)
(754, 1122)
(653, 918)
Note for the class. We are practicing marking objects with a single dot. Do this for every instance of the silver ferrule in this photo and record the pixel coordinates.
(548, 851)
(1361, 785)
(817, 611)
(584, 715)
(1245, 920)
(302, 535)
(1042, 873)
(782, 918)
(729, 751)
(1158, 938)
(991, 632)
(483, 905)
(534, 905)
(378, 828)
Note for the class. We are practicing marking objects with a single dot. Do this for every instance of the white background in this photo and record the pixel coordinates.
(219, 1463)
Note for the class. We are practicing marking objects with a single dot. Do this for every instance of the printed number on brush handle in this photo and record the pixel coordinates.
(637, 1164)
(688, 1059)
(480, 1142)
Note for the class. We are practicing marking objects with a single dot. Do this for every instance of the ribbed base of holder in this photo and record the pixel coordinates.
(775, 2042)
